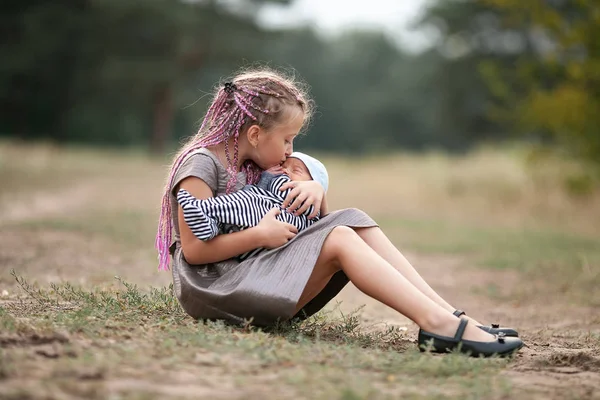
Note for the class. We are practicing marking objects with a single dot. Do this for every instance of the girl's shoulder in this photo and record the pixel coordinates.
(204, 164)
(202, 156)
(200, 164)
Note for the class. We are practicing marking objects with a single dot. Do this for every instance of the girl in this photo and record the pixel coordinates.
(249, 127)
(243, 209)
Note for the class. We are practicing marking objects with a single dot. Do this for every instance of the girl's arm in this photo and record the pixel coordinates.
(221, 247)
(324, 207)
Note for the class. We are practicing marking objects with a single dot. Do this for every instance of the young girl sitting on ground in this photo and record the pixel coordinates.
(250, 127)
(245, 208)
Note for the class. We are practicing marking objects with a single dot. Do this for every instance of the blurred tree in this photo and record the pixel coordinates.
(36, 41)
(557, 91)
(124, 72)
(470, 36)
(370, 95)
(96, 70)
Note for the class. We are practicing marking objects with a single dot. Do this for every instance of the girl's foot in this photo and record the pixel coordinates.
(501, 345)
(462, 314)
(449, 324)
(493, 328)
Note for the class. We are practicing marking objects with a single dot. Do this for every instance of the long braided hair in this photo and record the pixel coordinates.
(256, 97)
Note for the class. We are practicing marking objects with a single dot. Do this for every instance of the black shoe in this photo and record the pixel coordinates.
(502, 346)
(494, 329)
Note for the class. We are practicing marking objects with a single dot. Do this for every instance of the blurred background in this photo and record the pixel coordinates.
(468, 129)
(385, 74)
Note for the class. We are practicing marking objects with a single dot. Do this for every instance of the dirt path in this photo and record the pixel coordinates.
(559, 359)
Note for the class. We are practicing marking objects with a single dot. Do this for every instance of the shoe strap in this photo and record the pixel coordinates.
(461, 329)
(458, 313)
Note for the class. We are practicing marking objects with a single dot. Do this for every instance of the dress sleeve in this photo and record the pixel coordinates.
(200, 166)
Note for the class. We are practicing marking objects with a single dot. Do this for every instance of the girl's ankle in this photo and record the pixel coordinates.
(440, 324)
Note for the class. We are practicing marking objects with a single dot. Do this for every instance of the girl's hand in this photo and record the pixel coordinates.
(273, 232)
(303, 195)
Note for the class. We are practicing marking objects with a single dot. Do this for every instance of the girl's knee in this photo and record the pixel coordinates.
(339, 238)
(341, 235)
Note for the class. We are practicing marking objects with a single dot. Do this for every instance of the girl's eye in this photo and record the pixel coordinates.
(288, 142)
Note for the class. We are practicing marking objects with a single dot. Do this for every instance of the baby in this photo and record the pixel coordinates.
(245, 208)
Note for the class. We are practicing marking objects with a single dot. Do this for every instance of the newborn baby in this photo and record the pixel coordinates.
(245, 208)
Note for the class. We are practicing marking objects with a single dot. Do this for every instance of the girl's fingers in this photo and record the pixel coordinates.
(297, 202)
(291, 195)
(317, 208)
(304, 206)
(286, 186)
(292, 228)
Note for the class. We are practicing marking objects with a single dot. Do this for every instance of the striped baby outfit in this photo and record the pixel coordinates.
(239, 210)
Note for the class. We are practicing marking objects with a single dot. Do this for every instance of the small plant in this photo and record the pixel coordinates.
(130, 304)
(345, 328)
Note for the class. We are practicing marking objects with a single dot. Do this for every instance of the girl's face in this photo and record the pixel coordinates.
(275, 145)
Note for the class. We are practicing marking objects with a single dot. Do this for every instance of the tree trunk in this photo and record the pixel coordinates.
(68, 60)
(162, 118)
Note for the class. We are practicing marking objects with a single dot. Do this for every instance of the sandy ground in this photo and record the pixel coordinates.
(561, 358)
(557, 360)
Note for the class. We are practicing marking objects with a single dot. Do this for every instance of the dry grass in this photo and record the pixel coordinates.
(486, 188)
(72, 219)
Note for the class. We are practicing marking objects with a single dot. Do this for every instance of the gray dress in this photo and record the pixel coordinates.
(265, 288)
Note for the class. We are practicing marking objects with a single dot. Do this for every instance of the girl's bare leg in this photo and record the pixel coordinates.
(373, 275)
(379, 242)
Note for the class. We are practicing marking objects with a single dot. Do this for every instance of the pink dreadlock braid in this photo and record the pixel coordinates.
(236, 106)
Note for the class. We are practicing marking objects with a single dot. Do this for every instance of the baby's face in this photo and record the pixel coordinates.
(296, 170)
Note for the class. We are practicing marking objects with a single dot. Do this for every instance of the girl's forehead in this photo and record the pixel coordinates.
(292, 120)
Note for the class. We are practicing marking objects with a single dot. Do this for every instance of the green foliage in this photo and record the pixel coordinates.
(555, 91)
(370, 96)
(130, 72)
(467, 38)
(532, 68)
(110, 72)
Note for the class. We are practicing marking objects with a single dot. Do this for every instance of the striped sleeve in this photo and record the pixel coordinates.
(243, 209)
(202, 224)
(276, 184)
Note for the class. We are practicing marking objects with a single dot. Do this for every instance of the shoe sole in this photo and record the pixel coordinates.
(452, 347)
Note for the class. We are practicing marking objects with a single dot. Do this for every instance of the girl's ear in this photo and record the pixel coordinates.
(253, 134)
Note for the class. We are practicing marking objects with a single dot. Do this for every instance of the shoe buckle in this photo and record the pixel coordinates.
(501, 336)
